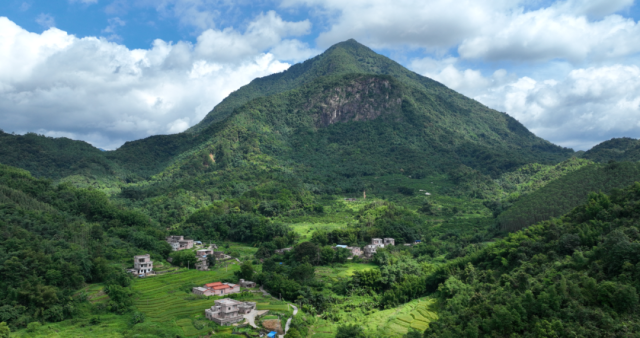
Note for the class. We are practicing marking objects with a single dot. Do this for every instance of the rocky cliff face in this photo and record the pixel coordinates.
(361, 100)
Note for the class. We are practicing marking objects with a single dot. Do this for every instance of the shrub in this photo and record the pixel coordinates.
(33, 327)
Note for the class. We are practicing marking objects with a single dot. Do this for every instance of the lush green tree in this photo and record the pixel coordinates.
(341, 255)
(293, 333)
(211, 261)
(138, 317)
(34, 326)
(303, 272)
(5, 332)
(186, 258)
(307, 252)
(246, 271)
(350, 331)
(327, 255)
(413, 333)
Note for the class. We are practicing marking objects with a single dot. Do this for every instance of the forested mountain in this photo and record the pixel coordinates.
(435, 107)
(53, 157)
(565, 193)
(57, 238)
(616, 149)
(343, 58)
(576, 276)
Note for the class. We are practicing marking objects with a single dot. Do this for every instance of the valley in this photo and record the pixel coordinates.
(496, 232)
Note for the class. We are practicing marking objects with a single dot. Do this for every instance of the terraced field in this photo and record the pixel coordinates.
(416, 315)
(168, 297)
(395, 322)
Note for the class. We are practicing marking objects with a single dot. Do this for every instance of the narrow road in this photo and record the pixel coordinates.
(295, 312)
(286, 327)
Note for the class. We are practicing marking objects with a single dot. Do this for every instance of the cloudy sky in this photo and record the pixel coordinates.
(110, 71)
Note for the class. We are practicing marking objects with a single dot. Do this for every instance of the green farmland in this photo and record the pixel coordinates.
(395, 322)
(332, 273)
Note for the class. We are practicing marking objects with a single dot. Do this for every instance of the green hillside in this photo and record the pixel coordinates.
(616, 149)
(432, 117)
(330, 136)
(576, 276)
(57, 238)
(565, 193)
(53, 157)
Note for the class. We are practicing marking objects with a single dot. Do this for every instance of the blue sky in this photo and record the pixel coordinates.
(111, 71)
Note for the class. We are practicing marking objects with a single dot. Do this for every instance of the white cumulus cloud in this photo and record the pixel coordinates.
(580, 109)
(520, 31)
(104, 93)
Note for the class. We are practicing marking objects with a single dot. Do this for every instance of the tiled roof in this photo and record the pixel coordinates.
(213, 284)
(220, 287)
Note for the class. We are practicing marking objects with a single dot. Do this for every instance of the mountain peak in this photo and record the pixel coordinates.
(344, 57)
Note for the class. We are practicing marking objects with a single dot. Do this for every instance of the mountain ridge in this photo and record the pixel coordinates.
(341, 58)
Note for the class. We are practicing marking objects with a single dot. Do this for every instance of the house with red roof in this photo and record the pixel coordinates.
(217, 289)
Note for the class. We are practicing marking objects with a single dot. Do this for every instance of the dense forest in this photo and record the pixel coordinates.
(562, 195)
(56, 238)
(575, 276)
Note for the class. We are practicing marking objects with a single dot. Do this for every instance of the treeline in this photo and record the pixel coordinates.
(616, 149)
(56, 239)
(53, 157)
(561, 195)
(576, 276)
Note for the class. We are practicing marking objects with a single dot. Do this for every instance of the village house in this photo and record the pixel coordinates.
(142, 264)
(228, 311)
(179, 243)
(217, 289)
(202, 263)
(370, 250)
(204, 252)
(355, 251)
(247, 283)
(377, 242)
(202, 291)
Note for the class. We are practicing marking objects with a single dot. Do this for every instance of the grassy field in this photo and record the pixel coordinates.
(332, 273)
(306, 229)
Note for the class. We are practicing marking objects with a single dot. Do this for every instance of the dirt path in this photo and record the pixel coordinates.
(286, 327)
(295, 312)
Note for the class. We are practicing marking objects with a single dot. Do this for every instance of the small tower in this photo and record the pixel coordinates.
(364, 194)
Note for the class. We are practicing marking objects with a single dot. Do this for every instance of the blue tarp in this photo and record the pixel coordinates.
(272, 334)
